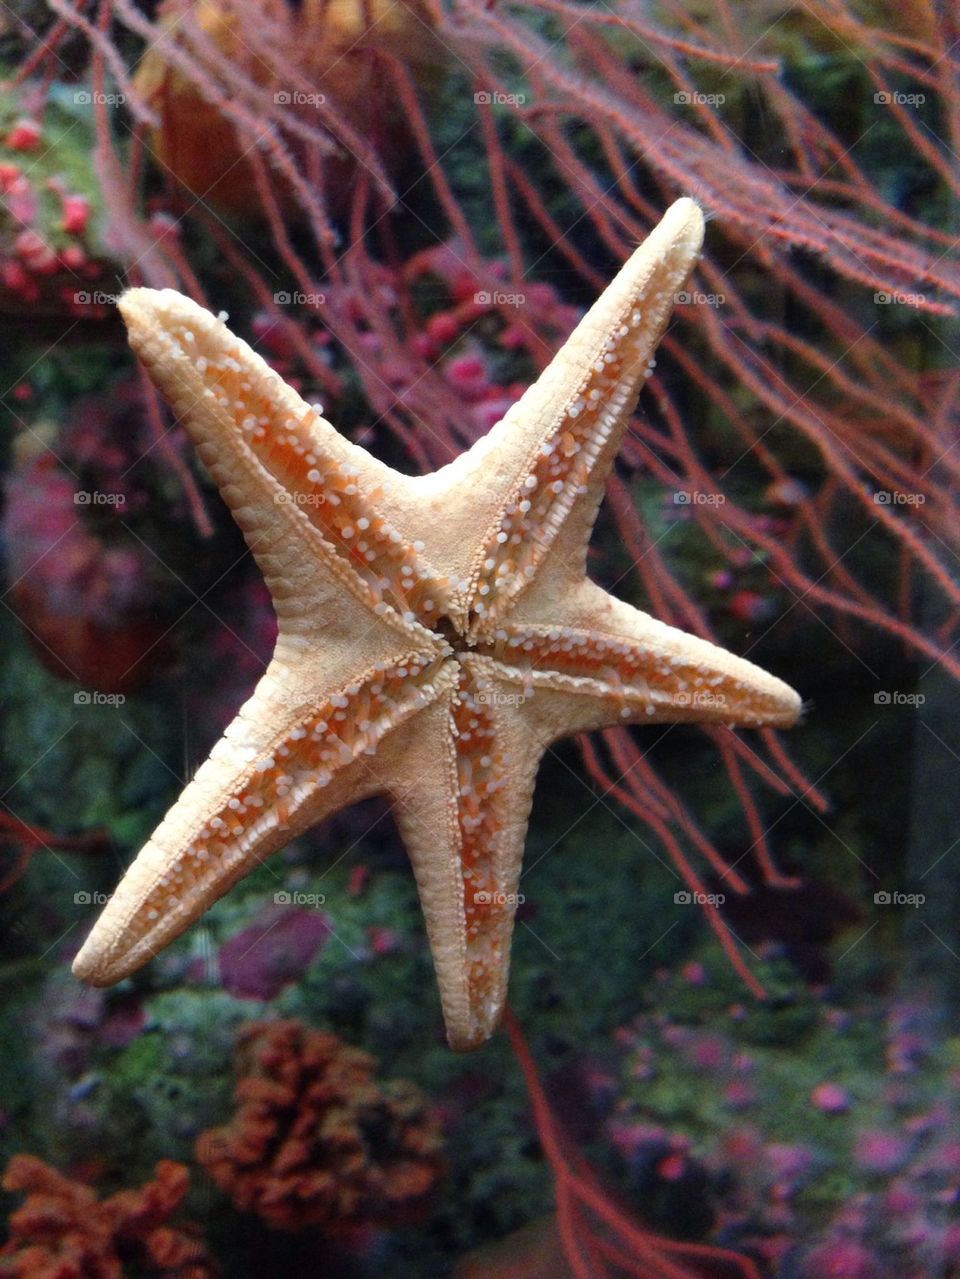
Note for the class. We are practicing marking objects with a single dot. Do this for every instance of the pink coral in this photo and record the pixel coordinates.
(843, 1259)
(880, 1151)
(77, 595)
(831, 1098)
(26, 135)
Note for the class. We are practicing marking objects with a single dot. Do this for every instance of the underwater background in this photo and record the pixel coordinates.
(731, 1049)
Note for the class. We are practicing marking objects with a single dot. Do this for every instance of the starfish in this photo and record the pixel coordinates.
(436, 633)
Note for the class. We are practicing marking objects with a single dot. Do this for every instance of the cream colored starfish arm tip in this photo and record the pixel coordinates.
(436, 633)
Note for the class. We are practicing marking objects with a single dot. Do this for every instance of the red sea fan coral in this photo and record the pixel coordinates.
(795, 350)
(19, 841)
(62, 1231)
(317, 1141)
(599, 1239)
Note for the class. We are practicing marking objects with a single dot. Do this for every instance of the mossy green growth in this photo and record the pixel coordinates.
(786, 1017)
(592, 930)
(78, 765)
(17, 1079)
(163, 1090)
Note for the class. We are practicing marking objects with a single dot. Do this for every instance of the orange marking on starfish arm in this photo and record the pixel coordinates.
(267, 427)
(488, 903)
(557, 476)
(263, 806)
(645, 680)
(322, 487)
(582, 428)
(329, 494)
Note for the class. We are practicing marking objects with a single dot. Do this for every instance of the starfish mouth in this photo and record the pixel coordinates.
(446, 628)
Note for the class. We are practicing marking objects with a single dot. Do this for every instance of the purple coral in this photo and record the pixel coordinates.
(273, 951)
(841, 1259)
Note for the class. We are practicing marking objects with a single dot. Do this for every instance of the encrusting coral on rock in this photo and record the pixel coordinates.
(62, 1231)
(317, 1141)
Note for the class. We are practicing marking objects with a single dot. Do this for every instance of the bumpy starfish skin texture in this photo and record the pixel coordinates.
(436, 633)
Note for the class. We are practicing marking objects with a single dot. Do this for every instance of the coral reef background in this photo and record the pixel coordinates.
(405, 208)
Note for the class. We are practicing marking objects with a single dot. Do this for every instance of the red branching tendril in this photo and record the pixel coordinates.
(601, 1240)
(23, 840)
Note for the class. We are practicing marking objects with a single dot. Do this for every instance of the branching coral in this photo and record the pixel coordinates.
(20, 841)
(62, 1231)
(316, 1140)
(600, 1240)
(793, 370)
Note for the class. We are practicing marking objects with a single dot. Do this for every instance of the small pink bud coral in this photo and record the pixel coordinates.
(832, 1099)
(751, 607)
(672, 1167)
(709, 1053)
(17, 279)
(383, 941)
(880, 1151)
(443, 327)
(841, 1259)
(35, 253)
(24, 136)
(739, 1095)
(73, 257)
(76, 214)
(468, 375)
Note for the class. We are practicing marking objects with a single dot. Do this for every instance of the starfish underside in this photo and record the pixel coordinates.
(436, 633)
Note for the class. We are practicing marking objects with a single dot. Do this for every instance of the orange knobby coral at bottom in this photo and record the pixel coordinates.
(317, 1141)
(62, 1231)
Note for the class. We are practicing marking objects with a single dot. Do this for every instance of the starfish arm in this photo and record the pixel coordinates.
(628, 667)
(539, 475)
(465, 840)
(261, 786)
(307, 500)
